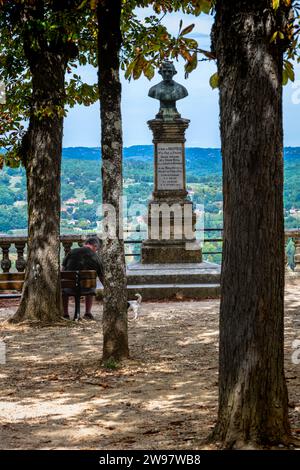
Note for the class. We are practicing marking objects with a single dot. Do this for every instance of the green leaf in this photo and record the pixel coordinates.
(206, 6)
(129, 70)
(149, 71)
(191, 64)
(138, 67)
(82, 4)
(93, 4)
(288, 71)
(214, 81)
(202, 6)
(285, 78)
(274, 36)
(187, 30)
(13, 162)
(191, 43)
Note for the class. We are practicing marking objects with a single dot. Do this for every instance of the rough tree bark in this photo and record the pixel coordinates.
(41, 297)
(253, 400)
(41, 153)
(115, 332)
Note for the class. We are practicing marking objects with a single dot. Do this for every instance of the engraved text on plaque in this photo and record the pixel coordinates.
(170, 167)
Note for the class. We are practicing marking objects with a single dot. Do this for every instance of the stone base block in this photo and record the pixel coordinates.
(168, 253)
(172, 281)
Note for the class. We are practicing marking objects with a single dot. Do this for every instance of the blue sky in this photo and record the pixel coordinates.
(82, 125)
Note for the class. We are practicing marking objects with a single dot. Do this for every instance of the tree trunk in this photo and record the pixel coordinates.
(253, 401)
(41, 298)
(115, 333)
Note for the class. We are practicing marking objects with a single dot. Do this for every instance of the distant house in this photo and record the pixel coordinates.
(141, 219)
(128, 182)
(20, 203)
(72, 201)
(199, 212)
(296, 213)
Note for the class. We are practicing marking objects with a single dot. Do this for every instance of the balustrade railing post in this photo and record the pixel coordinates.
(5, 262)
(297, 253)
(20, 262)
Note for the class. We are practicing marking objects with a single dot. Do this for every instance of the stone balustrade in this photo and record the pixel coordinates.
(7, 245)
(17, 261)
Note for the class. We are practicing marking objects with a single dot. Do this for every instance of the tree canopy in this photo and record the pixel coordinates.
(144, 45)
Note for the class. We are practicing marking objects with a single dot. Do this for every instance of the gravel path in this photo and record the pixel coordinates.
(55, 395)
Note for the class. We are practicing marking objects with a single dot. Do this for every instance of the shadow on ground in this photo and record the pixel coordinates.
(55, 395)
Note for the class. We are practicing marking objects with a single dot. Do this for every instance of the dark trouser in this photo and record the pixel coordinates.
(87, 293)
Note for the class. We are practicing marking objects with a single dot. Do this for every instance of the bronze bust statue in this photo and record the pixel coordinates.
(168, 92)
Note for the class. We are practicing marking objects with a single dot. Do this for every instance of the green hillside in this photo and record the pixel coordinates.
(81, 188)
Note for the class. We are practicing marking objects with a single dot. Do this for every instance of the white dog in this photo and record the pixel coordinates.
(134, 306)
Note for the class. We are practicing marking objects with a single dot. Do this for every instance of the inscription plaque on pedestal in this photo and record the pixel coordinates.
(170, 175)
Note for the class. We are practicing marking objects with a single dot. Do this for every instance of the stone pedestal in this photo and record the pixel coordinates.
(172, 281)
(171, 219)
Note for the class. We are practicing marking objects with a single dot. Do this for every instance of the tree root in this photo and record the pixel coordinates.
(285, 443)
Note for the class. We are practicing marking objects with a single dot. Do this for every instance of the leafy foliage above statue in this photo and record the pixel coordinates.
(145, 45)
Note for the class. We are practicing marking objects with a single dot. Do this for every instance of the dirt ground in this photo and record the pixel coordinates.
(55, 395)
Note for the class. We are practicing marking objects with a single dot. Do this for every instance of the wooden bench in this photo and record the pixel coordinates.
(11, 285)
(77, 282)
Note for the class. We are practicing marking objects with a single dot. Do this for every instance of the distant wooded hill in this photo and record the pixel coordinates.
(203, 160)
(81, 187)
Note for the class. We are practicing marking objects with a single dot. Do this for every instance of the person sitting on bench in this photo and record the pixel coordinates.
(79, 259)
